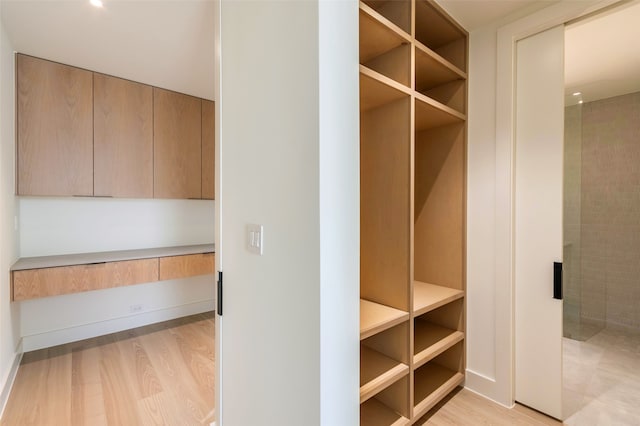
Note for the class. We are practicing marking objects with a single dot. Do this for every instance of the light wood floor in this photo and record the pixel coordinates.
(463, 407)
(162, 374)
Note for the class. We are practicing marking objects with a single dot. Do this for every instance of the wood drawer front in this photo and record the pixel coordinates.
(173, 267)
(34, 283)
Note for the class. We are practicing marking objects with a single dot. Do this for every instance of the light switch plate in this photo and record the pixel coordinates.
(255, 239)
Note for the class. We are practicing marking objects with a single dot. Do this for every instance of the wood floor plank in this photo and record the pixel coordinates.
(117, 387)
(87, 399)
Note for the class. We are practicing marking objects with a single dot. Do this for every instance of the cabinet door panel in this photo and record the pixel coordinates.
(34, 283)
(177, 145)
(191, 265)
(123, 138)
(55, 128)
(208, 150)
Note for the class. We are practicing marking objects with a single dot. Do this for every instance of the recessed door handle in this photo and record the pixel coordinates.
(557, 280)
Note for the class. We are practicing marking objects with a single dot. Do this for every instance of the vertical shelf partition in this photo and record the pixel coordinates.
(413, 96)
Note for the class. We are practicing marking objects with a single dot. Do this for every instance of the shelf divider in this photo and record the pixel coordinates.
(427, 297)
(375, 318)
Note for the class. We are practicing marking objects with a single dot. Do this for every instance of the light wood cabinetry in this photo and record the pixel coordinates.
(82, 133)
(35, 277)
(208, 150)
(191, 265)
(54, 128)
(177, 145)
(413, 88)
(34, 283)
(123, 138)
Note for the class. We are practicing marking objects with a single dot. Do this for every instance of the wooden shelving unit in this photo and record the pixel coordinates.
(413, 103)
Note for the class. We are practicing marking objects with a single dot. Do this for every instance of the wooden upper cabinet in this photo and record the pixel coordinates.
(177, 145)
(55, 128)
(208, 150)
(123, 138)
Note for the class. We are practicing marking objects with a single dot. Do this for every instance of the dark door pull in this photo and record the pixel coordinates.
(557, 280)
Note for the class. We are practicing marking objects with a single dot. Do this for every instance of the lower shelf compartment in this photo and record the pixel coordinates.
(433, 382)
(375, 413)
(378, 371)
(431, 340)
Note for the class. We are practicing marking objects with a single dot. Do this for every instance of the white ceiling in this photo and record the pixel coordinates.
(602, 55)
(473, 14)
(168, 44)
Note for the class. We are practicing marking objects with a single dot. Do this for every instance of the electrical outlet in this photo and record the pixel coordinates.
(135, 308)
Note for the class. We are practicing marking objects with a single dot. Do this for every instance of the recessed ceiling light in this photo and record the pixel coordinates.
(574, 94)
(96, 3)
(580, 101)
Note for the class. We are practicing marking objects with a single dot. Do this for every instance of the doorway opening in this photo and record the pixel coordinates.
(601, 318)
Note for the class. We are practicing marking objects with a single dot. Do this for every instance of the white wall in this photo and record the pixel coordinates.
(288, 153)
(9, 313)
(481, 291)
(50, 226)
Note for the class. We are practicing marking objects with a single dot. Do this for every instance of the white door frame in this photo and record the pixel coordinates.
(507, 38)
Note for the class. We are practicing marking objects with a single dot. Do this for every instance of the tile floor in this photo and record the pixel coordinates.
(602, 379)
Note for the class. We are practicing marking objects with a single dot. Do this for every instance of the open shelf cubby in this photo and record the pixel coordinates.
(384, 359)
(440, 33)
(384, 47)
(390, 407)
(431, 114)
(438, 79)
(436, 331)
(396, 11)
(437, 378)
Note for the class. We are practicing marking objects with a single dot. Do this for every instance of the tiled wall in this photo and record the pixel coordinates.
(610, 210)
(572, 196)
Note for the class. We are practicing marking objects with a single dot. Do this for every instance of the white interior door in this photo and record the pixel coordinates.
(538, 219)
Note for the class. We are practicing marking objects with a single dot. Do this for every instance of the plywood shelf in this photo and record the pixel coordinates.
(433, 70)
(431, 114)
(377, 90)
(378, 35)
(377, 372)
(432, 383)
(427, 297)
(375, 413)
(431, 340)
(375, 318)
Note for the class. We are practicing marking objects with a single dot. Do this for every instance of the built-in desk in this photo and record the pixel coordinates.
(35, 277)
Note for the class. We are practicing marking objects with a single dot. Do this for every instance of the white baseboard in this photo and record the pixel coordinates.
(485, 387)
(11, 377)
(86, 331)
